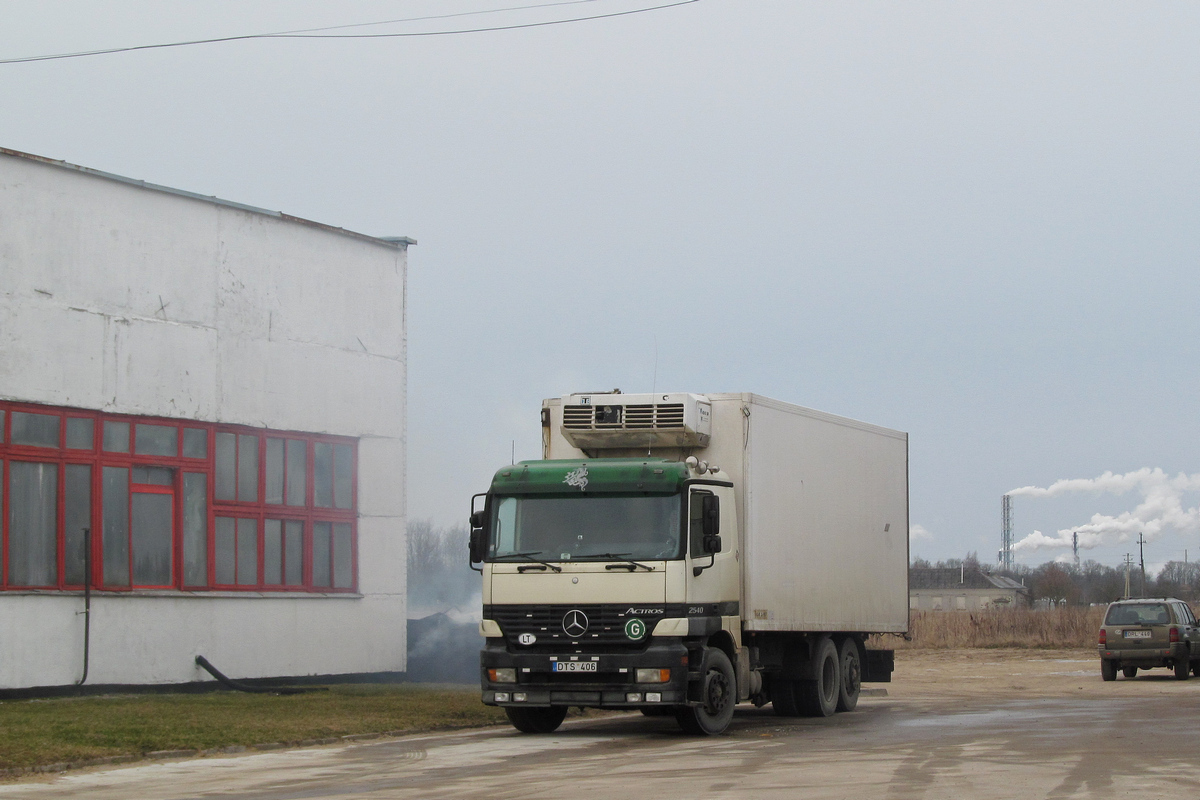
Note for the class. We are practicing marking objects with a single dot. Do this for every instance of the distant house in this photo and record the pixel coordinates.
(960, 589)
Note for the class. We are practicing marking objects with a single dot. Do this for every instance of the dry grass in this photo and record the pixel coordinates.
(1071, 627)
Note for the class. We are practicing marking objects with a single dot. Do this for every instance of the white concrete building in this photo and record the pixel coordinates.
(217, 393)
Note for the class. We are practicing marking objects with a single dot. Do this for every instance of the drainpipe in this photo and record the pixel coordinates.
(87, 600)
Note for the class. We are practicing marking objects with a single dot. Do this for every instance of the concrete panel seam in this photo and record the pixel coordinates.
(138, 318)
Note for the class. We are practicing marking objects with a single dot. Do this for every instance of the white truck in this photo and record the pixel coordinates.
(681, 553)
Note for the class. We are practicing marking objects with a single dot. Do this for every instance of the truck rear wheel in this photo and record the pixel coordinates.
(1108, 669)
(718, 695)
(819, 698)
(851, 677)
(1182, 669)
(536, 720)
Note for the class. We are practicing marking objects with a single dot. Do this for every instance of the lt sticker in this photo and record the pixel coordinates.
(635, 629)
(527, 638)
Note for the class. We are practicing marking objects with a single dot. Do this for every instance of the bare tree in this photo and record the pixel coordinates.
(439, 577)
(1178, 579)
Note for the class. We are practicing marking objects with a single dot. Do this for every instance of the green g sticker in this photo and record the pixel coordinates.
(635, 629)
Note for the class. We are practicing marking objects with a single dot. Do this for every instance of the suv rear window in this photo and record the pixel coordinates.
(1138, 614)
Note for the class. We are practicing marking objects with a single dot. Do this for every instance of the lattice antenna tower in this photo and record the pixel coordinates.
(1006, 533)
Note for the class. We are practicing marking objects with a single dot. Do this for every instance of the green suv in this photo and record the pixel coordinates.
(1149, 632)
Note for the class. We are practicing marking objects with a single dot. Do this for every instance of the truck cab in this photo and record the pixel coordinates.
(607, 584)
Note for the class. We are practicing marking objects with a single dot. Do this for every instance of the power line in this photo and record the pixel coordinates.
(314, 33)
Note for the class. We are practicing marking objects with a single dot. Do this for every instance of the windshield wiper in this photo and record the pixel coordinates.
(629, 564)
(530, 555)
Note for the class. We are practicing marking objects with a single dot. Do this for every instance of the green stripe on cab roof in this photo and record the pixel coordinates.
(610, 475)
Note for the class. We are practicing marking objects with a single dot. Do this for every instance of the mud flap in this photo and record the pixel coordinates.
(879, 666)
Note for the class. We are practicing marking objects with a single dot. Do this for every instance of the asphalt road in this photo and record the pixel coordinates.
(967, 725)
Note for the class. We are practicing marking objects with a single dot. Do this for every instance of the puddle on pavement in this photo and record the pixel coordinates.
(1032, 712)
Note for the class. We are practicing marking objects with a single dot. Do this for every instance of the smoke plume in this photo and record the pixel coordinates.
(1160, 511)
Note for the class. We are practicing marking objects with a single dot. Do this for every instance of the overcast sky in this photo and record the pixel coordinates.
(974, 222)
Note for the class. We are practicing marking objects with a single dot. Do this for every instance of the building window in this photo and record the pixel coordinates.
(172, 504)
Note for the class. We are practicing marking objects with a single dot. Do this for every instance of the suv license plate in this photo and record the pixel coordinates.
(574, 666)
(1137, 634)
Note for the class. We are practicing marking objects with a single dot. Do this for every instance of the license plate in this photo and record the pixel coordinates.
(1137, 634)
(574, 666)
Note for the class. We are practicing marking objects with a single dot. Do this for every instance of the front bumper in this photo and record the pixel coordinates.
(612, 685)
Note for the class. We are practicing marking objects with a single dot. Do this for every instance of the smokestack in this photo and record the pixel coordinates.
(1006, 533)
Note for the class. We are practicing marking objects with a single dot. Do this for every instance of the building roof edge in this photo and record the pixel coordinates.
(398, 242)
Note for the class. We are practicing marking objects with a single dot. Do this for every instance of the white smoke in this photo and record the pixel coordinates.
(1161, 508)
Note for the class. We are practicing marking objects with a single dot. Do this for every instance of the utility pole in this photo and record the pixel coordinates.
(1142, 558)
(1075, 547)
(1128, 563)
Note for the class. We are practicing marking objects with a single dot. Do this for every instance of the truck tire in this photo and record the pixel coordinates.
(1196, 669)
(819, 698)
(1182, 669)
(850, 683)
(1129, 672)
(783, 697)
(536, 720)
(718, 694)
(1108, 669)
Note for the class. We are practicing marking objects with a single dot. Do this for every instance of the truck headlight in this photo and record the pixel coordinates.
(503, 675)
(653, 675)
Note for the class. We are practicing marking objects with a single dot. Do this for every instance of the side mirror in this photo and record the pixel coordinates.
(712, 518)
(710, 530)
(477, 543)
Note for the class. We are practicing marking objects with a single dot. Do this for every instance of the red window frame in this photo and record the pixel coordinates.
(308, 514)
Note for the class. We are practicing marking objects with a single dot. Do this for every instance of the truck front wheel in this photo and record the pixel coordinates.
(819, 698)
(718, 694)
(536, 720)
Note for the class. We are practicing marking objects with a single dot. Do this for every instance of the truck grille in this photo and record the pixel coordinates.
(632, 417)
(606, 626)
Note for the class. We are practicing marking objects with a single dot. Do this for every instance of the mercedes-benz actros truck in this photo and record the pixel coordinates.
(678, 554)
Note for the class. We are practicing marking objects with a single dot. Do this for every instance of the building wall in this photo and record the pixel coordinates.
(961, 599)
(126, 299)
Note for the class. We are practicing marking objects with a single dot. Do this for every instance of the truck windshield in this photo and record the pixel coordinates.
(587, 528)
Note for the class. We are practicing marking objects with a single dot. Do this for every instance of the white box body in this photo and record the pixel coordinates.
(822, 510)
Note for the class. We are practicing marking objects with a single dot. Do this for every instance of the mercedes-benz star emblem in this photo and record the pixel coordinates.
(575, 623)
